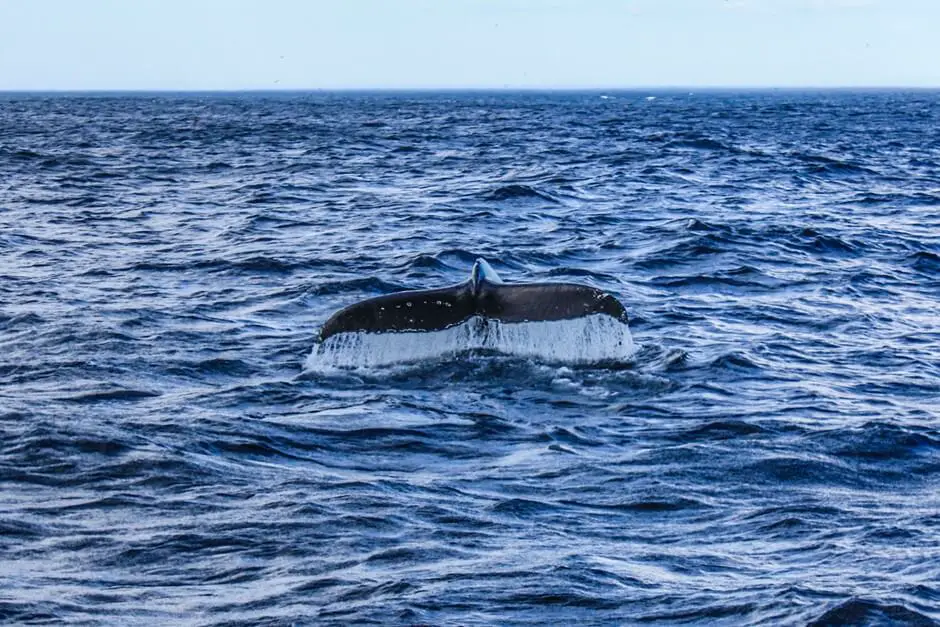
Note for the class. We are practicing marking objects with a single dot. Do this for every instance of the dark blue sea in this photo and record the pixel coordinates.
(769, 456)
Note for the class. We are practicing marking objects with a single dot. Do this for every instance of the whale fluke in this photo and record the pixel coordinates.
(483, 295)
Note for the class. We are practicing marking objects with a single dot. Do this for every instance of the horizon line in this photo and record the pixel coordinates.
(431, 89)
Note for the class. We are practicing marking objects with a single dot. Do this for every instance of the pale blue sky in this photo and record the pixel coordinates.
(314, 44)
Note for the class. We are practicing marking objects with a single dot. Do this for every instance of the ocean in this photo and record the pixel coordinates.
(769, 455)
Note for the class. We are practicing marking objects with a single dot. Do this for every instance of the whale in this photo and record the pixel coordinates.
(484, 296)
(563, 323)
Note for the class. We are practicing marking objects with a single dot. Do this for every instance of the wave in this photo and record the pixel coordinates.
(739, 277)
(21, 154)
(880, 441)
(925, 262)
(899, 198)
(702, 143)
(112, 395)
(863, 613)
(213, 366)
(688, 251)
(370, 284)
(824, 243)
(520, 192)
(263, 264)
(788, 470)
(721, 430)
(821, 164)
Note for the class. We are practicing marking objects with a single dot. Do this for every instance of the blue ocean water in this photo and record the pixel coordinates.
(771, 455)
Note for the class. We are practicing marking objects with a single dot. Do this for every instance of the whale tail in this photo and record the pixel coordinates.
(558, 322)
(483, 295)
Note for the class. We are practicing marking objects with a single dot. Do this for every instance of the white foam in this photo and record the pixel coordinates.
(590, 339)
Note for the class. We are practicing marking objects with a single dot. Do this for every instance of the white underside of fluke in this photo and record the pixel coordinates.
(591, 339)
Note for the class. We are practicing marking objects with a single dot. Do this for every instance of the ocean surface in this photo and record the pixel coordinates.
(769, 455)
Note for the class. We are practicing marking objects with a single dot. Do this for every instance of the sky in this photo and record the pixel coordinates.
(405, 44)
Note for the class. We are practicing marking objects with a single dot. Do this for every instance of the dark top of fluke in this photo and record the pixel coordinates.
(484, 294)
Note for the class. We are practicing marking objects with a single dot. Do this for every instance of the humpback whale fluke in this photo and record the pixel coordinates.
(560, 322)
(483, 295)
